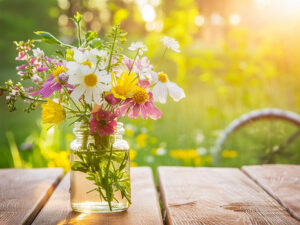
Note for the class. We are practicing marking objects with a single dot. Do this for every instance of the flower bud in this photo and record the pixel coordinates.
(63, 78)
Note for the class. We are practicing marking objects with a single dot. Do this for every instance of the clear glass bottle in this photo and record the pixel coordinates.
(100, 171)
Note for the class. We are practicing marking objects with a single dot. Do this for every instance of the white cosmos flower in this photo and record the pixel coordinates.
(163, 86)
(170, 43)
(90, 83)
(88, 58)
(138, 46)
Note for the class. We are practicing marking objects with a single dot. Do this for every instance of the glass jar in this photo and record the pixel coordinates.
(100, 171)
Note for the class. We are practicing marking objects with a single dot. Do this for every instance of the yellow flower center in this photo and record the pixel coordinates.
(162, 77)
(140, 95)
(58, 70)
(121, 90)
(91, 80)
(87, 63)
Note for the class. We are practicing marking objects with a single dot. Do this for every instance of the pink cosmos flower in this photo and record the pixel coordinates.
(140, 103)
(103, 122)
(55, 82)
(127, 62)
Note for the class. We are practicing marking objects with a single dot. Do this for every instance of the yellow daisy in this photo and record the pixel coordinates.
(124, 86)
(53, 112)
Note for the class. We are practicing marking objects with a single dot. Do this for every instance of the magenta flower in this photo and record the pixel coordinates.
(54, 83)
(140, 103)
(112, 100)
(103, 122)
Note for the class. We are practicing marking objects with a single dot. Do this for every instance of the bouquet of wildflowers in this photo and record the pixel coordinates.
(94, 82)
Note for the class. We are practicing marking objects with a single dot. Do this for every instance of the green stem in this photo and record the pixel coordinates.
(111, 53)
(67, 93)
(108, 194)
(79, 33)
(161, 58)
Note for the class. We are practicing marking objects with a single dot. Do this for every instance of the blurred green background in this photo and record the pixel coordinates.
(236, 56)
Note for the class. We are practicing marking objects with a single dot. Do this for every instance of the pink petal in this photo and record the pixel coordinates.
(153, 111)
(21, 67)
(56, 87)
(32, 60)
(134, 113)
(112, 100)
(34, 93)
(144, 111)
(42, 69)
(144, 83)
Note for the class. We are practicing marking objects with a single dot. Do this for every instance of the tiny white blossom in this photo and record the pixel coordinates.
(171, 43)
(138, 46)
(38, 53)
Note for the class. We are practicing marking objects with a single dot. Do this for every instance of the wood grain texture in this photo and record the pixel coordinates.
(217, 196)
(281, 181)
(145, 209)
(23, 192)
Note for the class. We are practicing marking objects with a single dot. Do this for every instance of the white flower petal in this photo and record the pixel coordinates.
(97, 96)
(160, 92)
(88, 95)
(74, 79)
(78, 92)
(171, 43)
(175, 91)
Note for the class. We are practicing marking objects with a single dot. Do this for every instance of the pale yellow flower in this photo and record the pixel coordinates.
(53, 112)
(124, 86)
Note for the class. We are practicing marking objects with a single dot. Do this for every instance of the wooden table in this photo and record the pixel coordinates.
(267, 194)
(230, 196)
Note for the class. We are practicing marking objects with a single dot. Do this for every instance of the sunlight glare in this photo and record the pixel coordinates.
(234, 19)
(148, 13)
(199, 20)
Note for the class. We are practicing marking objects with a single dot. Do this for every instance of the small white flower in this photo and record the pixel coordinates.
(138, 46)
(163, 86)
(170, 43)
(38, 53)
(201, 151)
(149, 159)
(161, 151)
(90, 83)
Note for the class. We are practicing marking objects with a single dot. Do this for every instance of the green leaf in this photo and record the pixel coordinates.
(47, 37)
(96, 43)
(90, 35)
(77, 166)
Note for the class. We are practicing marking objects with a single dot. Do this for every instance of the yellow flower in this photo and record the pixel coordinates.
(141, 140)
(132, 154)
(53, 112)
(229, 154)
(124, 86)
(69, 55)
(58, 70)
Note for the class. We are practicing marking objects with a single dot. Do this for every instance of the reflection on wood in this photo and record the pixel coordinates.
(144, 210)
(23, 192)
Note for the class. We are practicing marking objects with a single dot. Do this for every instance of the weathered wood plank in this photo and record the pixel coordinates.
(280, 181)
(217, 196)
(145, 209)
(23, 192)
